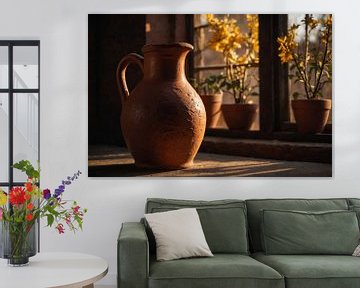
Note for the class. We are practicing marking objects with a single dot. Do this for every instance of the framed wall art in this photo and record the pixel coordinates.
(210, 95)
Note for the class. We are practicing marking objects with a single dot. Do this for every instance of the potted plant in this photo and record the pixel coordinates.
(211, 94)
(240, 51)
(311, 65)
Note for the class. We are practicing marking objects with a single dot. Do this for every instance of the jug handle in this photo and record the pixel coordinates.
(131, 58)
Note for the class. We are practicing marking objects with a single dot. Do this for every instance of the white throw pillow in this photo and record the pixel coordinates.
(178, 234)
(357, 251)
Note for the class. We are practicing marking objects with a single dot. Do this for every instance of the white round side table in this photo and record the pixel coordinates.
(50, 270)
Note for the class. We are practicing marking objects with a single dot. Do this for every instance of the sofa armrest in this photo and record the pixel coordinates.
(133, 256)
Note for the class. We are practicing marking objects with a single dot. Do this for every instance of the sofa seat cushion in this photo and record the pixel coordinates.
(314, 271)
(222, 270)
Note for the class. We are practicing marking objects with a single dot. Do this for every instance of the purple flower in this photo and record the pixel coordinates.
(57, 193)
(64, 183)
(46, 194)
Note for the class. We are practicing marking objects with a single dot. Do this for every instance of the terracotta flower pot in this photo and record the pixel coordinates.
(239, 116)
(212, 103)
(163, 118)
(311, 115)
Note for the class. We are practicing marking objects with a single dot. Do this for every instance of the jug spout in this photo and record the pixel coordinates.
(165, 61)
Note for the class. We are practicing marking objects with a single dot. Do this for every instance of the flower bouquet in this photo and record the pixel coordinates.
(21, 208)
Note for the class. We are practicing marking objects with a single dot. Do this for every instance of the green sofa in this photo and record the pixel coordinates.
(234, 232)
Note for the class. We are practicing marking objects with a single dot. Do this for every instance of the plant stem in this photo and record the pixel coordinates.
(231, 76)
(316, 59)
(301, 74)
(306, 83)
(242, 100)
(323, 61)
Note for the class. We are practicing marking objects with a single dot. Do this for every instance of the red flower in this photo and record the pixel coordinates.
(29, 186)
(29, 206)
(17, 196)
(27, 196)
(29, 217)
(60, 228)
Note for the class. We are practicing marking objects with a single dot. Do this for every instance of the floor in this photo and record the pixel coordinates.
(112, 161)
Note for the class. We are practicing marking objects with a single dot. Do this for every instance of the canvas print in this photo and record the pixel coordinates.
(210, 95)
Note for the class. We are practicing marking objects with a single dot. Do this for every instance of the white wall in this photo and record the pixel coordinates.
(62, 28)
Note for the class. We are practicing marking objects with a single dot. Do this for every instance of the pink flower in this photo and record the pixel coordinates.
(1, 213)
(76, 210)
(60, 228)
(68, 219)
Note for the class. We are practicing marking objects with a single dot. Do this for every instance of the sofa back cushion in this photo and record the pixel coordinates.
(353, 202)
(356, 209)
(255, 206)
(223, 221)
(298, 232)
(354, 205)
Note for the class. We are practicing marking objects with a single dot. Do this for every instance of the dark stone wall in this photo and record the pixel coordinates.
(110, 37)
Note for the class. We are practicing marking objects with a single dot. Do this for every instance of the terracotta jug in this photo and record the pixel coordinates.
(163, 118)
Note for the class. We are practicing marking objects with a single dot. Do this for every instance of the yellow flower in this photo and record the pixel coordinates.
(329, 20)
(3, 198)
(210, 17)
(287, 45)
(226, 35)
(253, 35)
(311, 21)
(240, 50)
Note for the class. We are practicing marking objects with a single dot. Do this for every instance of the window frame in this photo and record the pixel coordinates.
(274, 100)
(10, 91)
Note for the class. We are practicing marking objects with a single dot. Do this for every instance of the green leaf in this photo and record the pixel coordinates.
(28, 168)
(50, 219)
(52, 211)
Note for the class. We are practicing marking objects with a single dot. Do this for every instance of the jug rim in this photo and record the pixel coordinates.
(151, 47)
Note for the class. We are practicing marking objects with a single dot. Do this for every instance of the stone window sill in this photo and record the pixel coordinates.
(113, 161)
